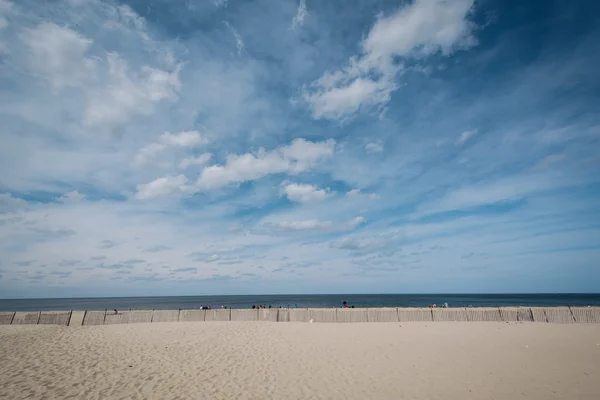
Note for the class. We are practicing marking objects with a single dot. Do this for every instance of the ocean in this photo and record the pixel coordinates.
(310, 301)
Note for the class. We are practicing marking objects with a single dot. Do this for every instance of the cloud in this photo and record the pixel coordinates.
(489, 193)
(25, 263)
(548, 161)
(5, 9)
(301, 13)
(73, 196)
(238, 39)
(465, 136)
(219, 3)
(114, 266)
(184, 139)
(61, 274)
(356, 193)
(107, 244)
(148, 153)
(161, 187)
(157, 248)
(8, 203)
(304, 193)
(190, 269)
(202, 159)
(124, 272)
(309, 225)
(69, 263)
(374, 147)
(127, 96)
(312, 224)
(338, 102)
(357, 221)
(417, 30)
(133, 261)
(299, 156)
(58, 55)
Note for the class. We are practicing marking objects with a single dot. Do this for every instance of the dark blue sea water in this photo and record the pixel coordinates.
(311, 301)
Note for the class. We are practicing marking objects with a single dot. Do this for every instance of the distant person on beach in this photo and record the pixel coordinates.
(253, 307)
(116, 312)
(269, 306)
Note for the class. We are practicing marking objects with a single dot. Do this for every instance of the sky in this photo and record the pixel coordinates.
(197, 147)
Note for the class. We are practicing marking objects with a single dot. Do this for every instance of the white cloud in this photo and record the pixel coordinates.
(465, 136)
(183, 139)
(148, 153)
(357, 221)
(303, 154)
(200, 160)
(311, 224)
(8, 203)
(301, 13)
(70, 197)
(424, 27)
(549, 160)
(370, 243)
(58, 54)
(125, 96)
(507, 189)
(304, 193)
(219, 3)
(299, 156)
(5, 8)
(374, 147)
(238, 39)
(291, 224)
(128, 21)
(419, 29)
(161, 187)
(356, 193)
(337, 102)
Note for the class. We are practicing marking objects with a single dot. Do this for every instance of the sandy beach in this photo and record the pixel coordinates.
(261, 360)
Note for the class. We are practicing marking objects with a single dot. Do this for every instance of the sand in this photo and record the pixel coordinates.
(262, 360)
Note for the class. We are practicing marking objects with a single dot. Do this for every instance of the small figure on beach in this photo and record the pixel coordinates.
(253, 307)
(116, 312)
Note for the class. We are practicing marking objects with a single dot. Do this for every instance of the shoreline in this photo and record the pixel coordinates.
(564, 314)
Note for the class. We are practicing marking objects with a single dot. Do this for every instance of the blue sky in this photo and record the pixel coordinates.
(237, 147)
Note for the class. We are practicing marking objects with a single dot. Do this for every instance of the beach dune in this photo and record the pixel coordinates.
(265, 360)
